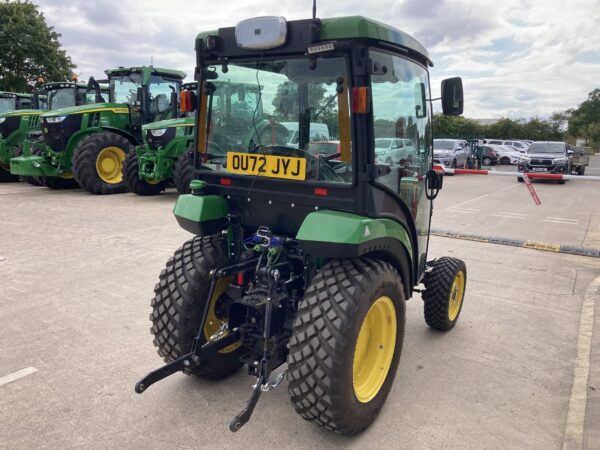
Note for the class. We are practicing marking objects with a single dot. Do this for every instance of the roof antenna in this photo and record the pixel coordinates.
(314, 9)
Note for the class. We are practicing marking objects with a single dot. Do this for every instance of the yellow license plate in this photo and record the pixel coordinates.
(288, 167)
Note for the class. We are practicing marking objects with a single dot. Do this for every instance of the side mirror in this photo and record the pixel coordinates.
(570, 152)
(452, 96)
(434, 181)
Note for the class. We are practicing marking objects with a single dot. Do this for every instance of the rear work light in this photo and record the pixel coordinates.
(360, 100)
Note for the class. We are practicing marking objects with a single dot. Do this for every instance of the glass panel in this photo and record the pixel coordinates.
(400, 112)
(61, 98)
(123, 88)
(160, 95)
(6, 104)
(280, 119)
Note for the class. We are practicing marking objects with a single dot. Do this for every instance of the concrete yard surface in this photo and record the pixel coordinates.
(77, 274)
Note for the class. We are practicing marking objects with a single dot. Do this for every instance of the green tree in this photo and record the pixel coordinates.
(29, 48)
(584, 121)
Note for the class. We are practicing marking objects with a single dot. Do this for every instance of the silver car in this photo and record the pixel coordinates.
(451, 152)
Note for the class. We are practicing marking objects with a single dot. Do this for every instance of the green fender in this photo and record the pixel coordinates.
(201, 214)
(334, 234)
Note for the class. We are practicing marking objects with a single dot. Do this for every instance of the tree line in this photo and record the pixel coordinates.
(582, 122)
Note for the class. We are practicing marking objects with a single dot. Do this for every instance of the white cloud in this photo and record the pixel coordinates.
(518, 58)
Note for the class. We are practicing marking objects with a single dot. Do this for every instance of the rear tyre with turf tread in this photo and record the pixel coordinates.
(136, 185)
(84, 160)
(323, 345)
(178, 304)
(183, 172)
(439, 310)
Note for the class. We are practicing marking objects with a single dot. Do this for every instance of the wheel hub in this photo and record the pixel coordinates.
(109, 164)
(374, 349)
(457, 293)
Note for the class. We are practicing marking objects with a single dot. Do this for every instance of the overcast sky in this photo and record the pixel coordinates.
(517, 58)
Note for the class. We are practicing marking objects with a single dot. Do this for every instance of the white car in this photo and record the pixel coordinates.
(393, 150)
(520, 146)
(506, 154)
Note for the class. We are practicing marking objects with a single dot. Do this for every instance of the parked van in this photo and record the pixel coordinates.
(318, 132)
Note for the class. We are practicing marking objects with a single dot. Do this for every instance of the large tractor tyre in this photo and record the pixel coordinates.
(60, 183)
(5, 175)
(178, 304)
(346, 343)
(131, 172)
(444, 292)
(98, 163)
(183, 172)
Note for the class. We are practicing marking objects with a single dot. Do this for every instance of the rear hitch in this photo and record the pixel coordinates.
(194, 358)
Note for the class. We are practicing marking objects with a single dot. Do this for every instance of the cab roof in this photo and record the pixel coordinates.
(357, 27)
(14, 94)
(146, 71)
(66, 84)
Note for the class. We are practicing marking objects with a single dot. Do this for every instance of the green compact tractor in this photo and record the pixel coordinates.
(302, 261)
(19, 114)
(161, 158)
(86, 145)
(166, 154)
(25, 124)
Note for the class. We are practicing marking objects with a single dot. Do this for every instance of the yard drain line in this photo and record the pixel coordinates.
(543, 246)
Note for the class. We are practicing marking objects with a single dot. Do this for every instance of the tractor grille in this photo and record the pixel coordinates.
(10, 125)
(58, 134)
(541, 162)
(34, 121)
(160, 141)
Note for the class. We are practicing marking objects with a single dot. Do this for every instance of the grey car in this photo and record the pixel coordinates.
(451, 152)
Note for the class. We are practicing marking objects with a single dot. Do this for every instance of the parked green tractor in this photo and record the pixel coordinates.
(86, 145)
(18, 116)
(299, 256)
(167, 153)
(25, 124)
(160, 159)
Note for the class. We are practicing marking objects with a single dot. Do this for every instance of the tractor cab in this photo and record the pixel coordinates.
(302, 256)
(70, 93)
(10, 101)
(150, 93)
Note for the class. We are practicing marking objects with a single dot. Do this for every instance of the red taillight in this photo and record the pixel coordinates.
(185, 101)
(225, 181)
(321, 191)
(360, 100)
(240, 278)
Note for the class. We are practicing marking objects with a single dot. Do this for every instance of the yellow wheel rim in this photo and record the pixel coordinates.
(109, 165)
(374, 349)
(152, 181)
(67, 175)
(213, 323)
(457, 292)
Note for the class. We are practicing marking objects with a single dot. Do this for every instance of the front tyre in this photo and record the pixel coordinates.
(183, 172)
(5, 175)
(98, 163)
(131, 172)
(178, 304)
(444, 292)
(346, 343)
